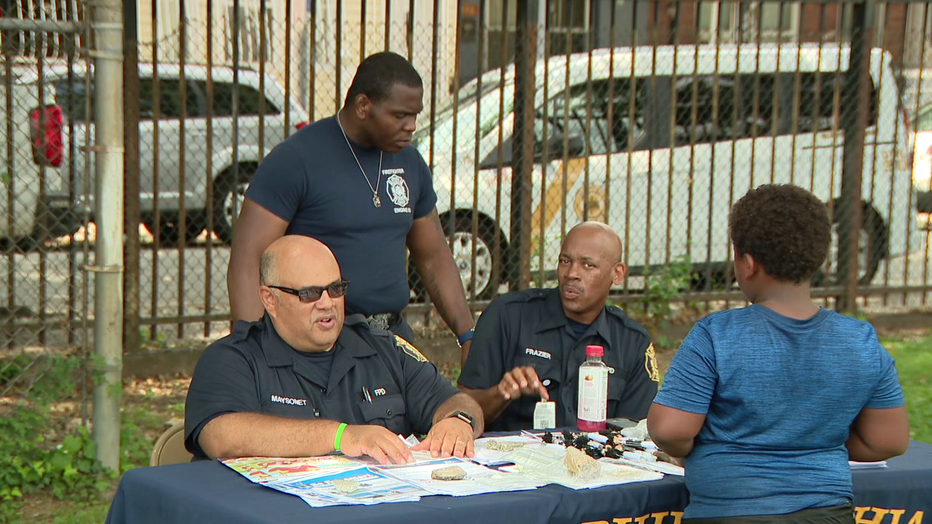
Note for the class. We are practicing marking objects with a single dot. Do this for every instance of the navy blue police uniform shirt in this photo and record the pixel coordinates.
(312, 181)
(253, 370)
(529, 328)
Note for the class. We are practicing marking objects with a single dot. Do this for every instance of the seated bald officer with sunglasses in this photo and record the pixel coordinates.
(301, 382)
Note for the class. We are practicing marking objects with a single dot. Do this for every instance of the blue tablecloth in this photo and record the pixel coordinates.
(205, 492)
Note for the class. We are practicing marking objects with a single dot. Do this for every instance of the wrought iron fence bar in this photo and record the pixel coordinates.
(671, 131)
(209, 167)
(288, 94)
(474, 219)
(12, 185)
(500, 271)
(875, 107)
(338, 67)
(41, 228)
(538, 237)
(182, 220)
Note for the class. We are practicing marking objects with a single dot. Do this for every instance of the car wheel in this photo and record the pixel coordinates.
(872, 248)
(229, 195)
(462, 240)
(168, 231)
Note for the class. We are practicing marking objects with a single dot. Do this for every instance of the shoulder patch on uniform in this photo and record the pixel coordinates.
(409, 349)
(650, 363)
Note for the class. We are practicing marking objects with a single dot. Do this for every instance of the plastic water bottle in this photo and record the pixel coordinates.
(593, 390)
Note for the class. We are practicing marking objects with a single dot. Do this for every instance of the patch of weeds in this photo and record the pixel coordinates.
(662, 287)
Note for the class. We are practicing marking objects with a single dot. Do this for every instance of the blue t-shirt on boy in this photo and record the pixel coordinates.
(779, 395)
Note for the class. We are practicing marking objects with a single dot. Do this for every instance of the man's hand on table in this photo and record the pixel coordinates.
(449, 437)
(522, 381)
(377, 442)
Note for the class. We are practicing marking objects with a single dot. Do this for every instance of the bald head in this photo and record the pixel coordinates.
(291, 269)
(590, 263)
(600, 235)
(295, 255)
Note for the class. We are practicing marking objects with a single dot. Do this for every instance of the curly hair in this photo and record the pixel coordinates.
(785, 228)
(376, 75)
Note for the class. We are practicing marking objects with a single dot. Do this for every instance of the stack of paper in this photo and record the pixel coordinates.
(338, 480)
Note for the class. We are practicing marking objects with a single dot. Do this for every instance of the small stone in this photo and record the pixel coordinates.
(580, 464)
(450, 473)
(346, 486)
(503, 445)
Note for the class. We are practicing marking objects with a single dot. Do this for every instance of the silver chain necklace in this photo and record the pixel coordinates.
(376, 201)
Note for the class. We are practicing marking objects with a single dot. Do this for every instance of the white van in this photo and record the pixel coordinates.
(691, 130)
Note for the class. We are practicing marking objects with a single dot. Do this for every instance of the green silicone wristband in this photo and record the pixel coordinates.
(339, 436)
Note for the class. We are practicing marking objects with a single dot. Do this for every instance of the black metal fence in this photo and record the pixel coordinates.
(651, 116)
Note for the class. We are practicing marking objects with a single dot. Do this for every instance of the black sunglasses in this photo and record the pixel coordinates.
(313, 293)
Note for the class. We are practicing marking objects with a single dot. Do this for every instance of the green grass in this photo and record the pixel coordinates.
(913, 356)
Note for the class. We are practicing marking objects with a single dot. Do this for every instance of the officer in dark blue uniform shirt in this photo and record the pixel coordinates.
(528, 345)
(300, 382)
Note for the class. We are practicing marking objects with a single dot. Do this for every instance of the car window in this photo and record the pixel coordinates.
(757, 105)
(72, 97)
(249, 100)
(599, 110)
(169, 97)
(820, 101)
(710, 108)
(566, 116)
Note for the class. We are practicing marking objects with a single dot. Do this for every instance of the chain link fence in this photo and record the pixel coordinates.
(651, 116)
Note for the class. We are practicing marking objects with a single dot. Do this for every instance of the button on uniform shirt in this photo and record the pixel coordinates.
(375, 378)
(529, 328)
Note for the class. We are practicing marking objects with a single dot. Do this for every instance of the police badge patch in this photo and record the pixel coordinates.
(650, 363)
(409, 349)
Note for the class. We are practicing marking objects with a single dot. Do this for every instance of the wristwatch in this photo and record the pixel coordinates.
(465, 417)
(465, 337)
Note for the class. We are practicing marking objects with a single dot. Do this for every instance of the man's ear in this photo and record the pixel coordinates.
(363, 106)
(269, 300)
(618, 273)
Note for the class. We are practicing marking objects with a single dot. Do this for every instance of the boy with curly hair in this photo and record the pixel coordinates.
(767, 403)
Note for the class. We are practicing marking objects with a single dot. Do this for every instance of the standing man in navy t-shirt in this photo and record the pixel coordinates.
(354, 182)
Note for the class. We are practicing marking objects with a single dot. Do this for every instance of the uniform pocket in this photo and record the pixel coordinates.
(616, 390)
(384, 409)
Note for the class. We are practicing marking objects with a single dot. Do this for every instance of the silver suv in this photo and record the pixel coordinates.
(177, 165)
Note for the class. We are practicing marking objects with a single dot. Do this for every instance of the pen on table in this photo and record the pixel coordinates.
(366, 395)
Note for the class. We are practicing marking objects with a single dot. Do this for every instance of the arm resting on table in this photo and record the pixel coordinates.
(878, 434)
(462, 402)
(256, 228)
(673, 430)
(452, 436)
(261, 435)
